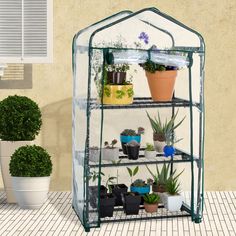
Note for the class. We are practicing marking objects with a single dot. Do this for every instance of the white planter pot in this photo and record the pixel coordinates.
(172, 202)
(7, 148)
(159, 146)
(31, 192)
(110, 154)
(94, 154)
(150, 154)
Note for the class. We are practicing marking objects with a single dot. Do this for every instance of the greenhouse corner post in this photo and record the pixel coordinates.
(190, 56)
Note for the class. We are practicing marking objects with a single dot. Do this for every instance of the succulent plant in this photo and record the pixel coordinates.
(133, 143)
(139, 183)
(163, 131)
(131, 132)
(149, 147)
(151, 198)
(173, 186)
(111, 145)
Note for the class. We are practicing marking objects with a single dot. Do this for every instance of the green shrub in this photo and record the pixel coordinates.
(20, 119)
(30, 161)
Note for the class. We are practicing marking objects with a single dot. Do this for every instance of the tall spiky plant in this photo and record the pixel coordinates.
(162, 129)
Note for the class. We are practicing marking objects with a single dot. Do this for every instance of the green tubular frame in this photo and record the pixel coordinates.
(195, 215)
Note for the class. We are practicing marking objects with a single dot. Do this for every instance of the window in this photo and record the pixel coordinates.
(26, 31)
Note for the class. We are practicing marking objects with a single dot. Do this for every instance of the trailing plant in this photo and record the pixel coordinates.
(111, 145)
(149, 147)
(173, 186)
(30, 161)
(152, 67)
(20, 119)
(164, 129)
(151, 198)
(133, 172)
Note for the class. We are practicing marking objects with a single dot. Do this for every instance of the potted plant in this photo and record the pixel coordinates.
(30, 168)
(151, 202)
(107, 201)
(138, 185)
(128, 135)
(93, 190)
(20, 122)
(133, 150)
(110, 152)
(160, 178)
(94, 153)
(160, 130)
(117, 89)
(161, 80)
(118, 189)
(149, 152)
(172, 198)
(131, 200)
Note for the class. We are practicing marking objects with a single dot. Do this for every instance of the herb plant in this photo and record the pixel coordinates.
(133, 172)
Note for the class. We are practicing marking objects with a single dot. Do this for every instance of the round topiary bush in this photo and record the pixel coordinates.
(20, 119)
(30, 161)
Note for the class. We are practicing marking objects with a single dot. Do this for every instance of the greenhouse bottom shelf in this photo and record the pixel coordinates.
(162, 213)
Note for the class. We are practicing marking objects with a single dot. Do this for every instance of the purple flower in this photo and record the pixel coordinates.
(143, 36)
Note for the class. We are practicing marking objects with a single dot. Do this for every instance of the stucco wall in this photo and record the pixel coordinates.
(52, 83)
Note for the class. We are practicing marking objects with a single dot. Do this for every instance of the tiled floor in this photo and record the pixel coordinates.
(56, 217)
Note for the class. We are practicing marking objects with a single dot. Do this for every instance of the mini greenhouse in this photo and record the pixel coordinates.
(129, 43)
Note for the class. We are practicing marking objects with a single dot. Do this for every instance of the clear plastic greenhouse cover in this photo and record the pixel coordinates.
(133, 38)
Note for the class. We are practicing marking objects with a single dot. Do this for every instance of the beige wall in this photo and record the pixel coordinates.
(52, 83)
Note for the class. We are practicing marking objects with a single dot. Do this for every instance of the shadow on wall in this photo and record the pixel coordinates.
(56, 138)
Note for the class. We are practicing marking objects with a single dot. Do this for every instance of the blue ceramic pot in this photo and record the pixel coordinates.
(126, 139)
(169, 151)
(141, 190)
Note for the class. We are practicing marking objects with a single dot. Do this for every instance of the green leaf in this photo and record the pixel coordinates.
(130, 171)
(135, 170)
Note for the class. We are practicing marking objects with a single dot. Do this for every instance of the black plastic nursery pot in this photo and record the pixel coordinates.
(116, 77)
(107, 203)
(117, 190)
(131, 202)
(93, 193)
(133, 152)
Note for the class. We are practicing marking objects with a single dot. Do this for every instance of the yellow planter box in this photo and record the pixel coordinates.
(118, 94)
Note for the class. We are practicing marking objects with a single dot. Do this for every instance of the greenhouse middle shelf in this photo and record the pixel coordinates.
(138, 102)
(179, 157)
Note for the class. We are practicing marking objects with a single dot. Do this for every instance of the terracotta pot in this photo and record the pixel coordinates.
(161, 84)
(151, 208)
